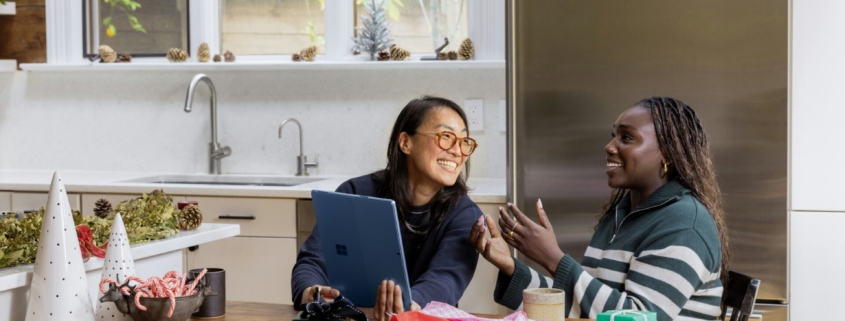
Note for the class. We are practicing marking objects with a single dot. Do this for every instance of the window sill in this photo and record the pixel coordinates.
(269, 65)
(8, 9)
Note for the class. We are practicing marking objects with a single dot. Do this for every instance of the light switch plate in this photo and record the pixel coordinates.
(475, 114)
(503, 116)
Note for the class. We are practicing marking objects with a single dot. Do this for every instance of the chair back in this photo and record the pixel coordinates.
(740, 294)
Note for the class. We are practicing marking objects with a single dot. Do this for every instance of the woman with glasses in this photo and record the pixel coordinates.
(426, 176)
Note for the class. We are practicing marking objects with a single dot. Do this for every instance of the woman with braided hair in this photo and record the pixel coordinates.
(661, 243)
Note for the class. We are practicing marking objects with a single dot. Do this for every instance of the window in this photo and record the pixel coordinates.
(262, 27)
(262, 31)
(420, 25)
(139, 27)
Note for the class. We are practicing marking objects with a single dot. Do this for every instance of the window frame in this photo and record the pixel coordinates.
(65, 31)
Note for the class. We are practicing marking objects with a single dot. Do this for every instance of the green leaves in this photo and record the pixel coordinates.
(149, 217)
(127, 6)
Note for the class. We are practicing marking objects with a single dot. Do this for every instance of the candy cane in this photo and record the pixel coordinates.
(171, 286)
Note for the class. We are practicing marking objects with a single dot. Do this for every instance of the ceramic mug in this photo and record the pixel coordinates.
(212, 306)
(544, 304)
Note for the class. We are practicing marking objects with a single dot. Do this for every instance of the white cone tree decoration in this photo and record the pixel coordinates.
(374, 35)
(118, 266)
(58, 290)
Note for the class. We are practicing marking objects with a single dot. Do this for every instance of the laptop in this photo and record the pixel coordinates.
(362, 245)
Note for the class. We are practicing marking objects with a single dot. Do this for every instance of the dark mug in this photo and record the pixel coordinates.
(212, 306)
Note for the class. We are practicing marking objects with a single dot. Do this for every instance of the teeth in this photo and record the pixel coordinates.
(613, 165)
(448, 164)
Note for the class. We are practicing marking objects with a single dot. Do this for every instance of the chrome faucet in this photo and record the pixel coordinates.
(302, 163)
(216, 152)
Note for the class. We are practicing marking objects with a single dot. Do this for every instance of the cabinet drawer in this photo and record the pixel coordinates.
(34, 201)
(88, 200)
(5, 201)
(258, 269)
(272, 217)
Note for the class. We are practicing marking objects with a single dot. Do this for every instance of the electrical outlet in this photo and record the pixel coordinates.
(475, 113)
(503, 116)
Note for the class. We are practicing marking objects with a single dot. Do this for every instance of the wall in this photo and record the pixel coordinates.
(134, 121)
(817, 212)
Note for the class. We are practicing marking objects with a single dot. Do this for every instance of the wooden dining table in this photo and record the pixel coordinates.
(251, 311)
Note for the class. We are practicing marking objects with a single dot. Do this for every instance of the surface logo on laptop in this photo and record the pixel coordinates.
(341, 249)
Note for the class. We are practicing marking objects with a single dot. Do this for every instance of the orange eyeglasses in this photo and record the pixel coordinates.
(446, 140)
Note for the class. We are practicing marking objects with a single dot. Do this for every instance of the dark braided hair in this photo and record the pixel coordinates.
(394, 180)
(683, 142)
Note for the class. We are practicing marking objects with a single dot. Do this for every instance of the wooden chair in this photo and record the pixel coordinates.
(739, 295)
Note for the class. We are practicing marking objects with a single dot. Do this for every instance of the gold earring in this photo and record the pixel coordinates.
(665, 168)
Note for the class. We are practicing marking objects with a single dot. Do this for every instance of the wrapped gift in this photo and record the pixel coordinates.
(626, 315)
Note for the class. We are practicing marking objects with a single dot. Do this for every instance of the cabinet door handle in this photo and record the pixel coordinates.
(236, 217)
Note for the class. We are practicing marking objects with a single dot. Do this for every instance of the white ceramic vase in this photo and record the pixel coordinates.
(118, 265)
(59, 289)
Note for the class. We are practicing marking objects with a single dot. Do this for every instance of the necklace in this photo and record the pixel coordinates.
(411, 228)
(419, 213)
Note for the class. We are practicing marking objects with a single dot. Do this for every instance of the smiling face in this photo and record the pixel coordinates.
(427, 162)
(634, 160)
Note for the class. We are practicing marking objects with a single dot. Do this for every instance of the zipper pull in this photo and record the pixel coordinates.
(612, 238)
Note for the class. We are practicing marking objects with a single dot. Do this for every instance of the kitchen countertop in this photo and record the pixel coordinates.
(482, 190)
(18, 276)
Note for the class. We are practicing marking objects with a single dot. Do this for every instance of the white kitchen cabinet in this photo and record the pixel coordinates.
(24, 201)
(258, 263)
(478, 297)
(89, 200)
(267, 217)
(5, 201)
(257, 268)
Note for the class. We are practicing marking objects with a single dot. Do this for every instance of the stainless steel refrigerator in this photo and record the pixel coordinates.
(575, 65)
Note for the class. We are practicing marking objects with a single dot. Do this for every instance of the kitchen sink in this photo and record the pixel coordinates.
(241, 180)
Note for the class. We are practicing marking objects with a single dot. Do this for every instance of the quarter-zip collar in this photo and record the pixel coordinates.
(668, 193)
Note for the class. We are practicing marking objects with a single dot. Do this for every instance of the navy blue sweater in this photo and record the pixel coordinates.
(440, 264)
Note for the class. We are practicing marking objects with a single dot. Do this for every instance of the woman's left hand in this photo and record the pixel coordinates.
(536, 241)
(389, 301)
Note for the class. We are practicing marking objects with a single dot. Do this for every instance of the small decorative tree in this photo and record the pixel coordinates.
(374, 35)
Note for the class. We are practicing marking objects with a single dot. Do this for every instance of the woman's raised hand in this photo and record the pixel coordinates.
(537, 241)
(495, 249)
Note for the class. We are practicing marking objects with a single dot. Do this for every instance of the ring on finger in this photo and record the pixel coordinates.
(514, 225)
(510, 234)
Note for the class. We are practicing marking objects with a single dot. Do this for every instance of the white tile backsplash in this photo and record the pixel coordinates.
(134, 121)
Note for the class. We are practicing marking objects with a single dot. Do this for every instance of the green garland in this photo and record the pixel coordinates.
(147, 218)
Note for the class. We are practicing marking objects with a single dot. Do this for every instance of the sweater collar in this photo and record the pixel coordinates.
(671, 190)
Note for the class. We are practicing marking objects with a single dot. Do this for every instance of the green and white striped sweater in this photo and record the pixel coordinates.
(663, 257)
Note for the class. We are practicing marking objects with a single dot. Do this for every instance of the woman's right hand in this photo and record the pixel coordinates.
(327, 292)
(495, 249)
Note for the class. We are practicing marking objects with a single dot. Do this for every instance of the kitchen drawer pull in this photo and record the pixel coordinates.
(236, 217)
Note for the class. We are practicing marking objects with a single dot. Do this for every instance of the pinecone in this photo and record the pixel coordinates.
(308, 54)
(107, 53)
(125, 57)
(216, 58)
(177, 55)
(102, 208)
(443, 56)
(397, 53)
(228, 56)
(383, 55)
(203, 54)
(453, 55)
(466, 51)
(190, 217)
(296, 57)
